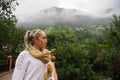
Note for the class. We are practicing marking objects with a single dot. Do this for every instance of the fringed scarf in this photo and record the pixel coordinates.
(45, 57)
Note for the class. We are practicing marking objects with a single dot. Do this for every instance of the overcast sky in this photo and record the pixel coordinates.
(28, 7)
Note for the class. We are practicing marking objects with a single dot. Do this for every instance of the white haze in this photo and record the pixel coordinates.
(27, 8)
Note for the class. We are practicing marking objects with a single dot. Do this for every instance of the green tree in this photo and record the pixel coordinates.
(7, 22)
(72, 58)
(113, 39)
(115, 35)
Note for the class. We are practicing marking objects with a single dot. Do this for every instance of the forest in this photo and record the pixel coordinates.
(88, 52)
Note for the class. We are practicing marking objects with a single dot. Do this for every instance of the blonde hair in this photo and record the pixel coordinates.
(28, 38)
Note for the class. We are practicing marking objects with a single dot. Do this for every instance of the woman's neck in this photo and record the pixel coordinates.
(35, 46)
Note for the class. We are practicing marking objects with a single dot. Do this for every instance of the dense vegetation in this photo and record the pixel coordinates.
(83, 55)
(82, 52)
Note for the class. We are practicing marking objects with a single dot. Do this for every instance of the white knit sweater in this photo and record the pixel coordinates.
(28, 67)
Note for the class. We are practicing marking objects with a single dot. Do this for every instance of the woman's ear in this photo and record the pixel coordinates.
(35, 40)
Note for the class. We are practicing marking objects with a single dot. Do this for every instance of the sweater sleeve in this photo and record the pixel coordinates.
(20, 67)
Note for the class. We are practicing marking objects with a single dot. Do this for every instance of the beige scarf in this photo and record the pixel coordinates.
(45, 57)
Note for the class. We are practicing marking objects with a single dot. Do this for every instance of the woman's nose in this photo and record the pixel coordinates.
(46, 40)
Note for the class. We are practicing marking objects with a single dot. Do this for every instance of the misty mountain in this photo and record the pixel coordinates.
(59, 17)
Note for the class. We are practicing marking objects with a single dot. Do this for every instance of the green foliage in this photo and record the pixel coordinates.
(6, 8)
(113, 39)
(61, 35)
(11, 42)
(113, 32)
(72, 60)
(82, 57)
(15, 42)
(11, 38)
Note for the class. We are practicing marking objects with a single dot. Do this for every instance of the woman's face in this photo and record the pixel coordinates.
(41, 41)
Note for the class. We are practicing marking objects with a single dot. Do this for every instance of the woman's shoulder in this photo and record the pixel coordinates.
(23, 54)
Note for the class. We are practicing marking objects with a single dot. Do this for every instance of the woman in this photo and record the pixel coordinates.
(34, 63)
